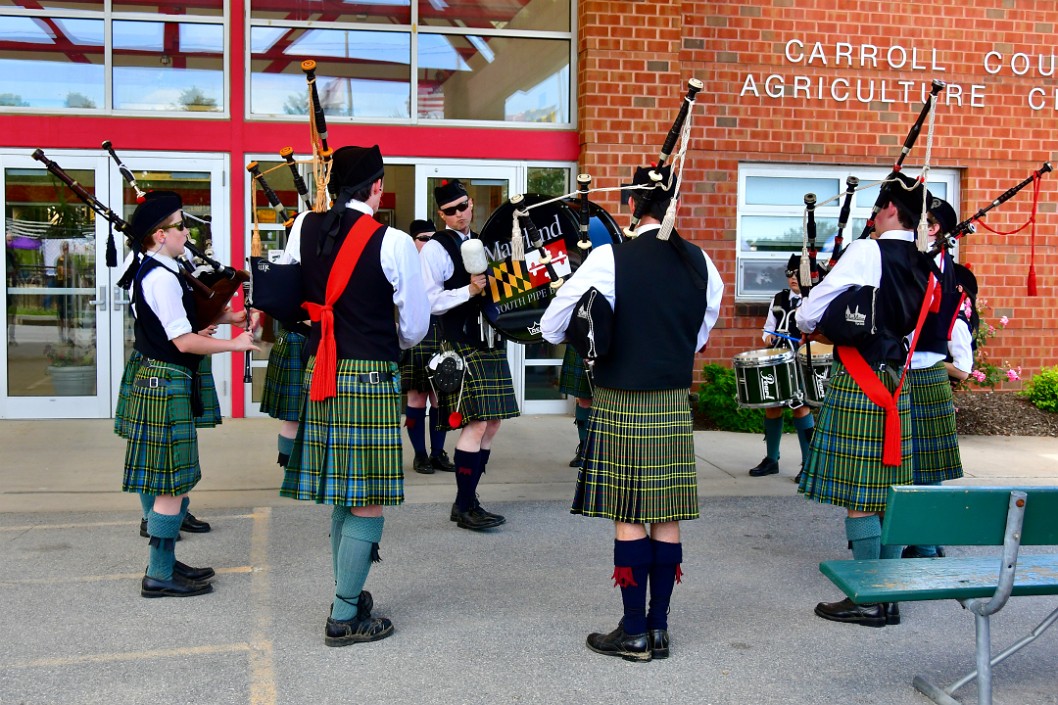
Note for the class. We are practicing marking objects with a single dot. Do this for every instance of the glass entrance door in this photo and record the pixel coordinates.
(68, 331)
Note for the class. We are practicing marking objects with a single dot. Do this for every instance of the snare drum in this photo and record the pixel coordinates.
(767, 378)
(815, 377)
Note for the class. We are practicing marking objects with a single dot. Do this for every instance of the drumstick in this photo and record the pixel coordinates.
(781, 335)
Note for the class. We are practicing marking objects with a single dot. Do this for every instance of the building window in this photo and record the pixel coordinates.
(160, 58)
(771, 212)
(407, 62)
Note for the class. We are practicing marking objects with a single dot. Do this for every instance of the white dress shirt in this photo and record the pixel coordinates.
(164, 295)
(400, 264)
(598, 271)
(772, 324)
(437, 267)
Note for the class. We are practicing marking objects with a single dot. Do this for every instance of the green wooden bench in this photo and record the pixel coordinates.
(1009, 517)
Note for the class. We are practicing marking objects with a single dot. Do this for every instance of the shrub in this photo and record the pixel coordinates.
(718, 403)
(1042, 390)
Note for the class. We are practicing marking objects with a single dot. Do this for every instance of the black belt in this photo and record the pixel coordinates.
(375, 377)
(152, 382)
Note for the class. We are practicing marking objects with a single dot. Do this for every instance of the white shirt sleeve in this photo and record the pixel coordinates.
(714, 295)
(400, 264)
(769, 321)
(437, 267)
(860, 265)
(163, 294)
(292, 252)
(961, 346)
(598, 271)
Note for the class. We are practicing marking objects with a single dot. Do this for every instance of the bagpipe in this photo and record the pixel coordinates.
(212, 283)
(534, 243)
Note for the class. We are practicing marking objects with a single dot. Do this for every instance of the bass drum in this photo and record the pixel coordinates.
(517, 293)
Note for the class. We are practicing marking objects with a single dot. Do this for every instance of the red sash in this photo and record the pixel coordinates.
(325, 376)
(875, 390)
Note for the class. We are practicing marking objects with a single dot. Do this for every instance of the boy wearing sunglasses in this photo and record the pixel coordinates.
(487, 395)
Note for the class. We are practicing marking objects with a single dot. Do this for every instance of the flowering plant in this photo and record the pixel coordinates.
(69, 355)
(985, 372)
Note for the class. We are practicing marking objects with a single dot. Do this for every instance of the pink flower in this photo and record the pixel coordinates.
(1004, 321)
(991, 330)
(978, 375)
(1013, 376)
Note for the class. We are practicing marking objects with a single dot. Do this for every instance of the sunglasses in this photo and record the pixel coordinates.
(457, 208)
(424, 238)
(178, 225)
(791, 272)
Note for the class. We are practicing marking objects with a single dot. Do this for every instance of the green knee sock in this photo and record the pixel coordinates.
(772, 436)
(338, 517)
(184, 504)
(163, 528)
(865, 535)
(805, 427)
(890, 552)
(147, 503)
(359, 535)
(581, 415)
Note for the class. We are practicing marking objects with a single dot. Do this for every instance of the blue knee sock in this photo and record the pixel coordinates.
(359, 536)
(163, 529)
(146, 503)
(286, 447)
(865, 534)
(772, 436)
(631, 570)
(415, 421)
(338, 517)
(184, 504)
(467, 469)
(664, 574)
(437, 434)
(804, 425)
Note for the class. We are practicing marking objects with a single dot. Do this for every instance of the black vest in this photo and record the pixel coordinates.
(364, 327)
(658, 311)
(783, 312)
(151, 339)
(460, 324)
(905, 273)
(936, 330)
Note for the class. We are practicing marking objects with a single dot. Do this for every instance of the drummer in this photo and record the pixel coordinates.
(781, 320)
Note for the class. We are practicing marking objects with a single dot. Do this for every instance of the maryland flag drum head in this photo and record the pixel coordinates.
(519, 291)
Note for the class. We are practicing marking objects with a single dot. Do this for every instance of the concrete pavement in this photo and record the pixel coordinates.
(497, 618)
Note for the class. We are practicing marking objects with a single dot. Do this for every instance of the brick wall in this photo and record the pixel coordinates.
(635, 58)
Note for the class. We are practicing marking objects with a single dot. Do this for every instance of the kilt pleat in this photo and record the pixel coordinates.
(935, 441)
(488, 392)
(574, 377)
(161, 456)
(639, 463)
(348, 448)
(284, 387)
(844, 463)
(122, 421)
(210, 417)
(413, 363)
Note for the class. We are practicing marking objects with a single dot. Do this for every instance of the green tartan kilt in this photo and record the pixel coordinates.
(348, 448)
(208, 390)
(122, 423)
(284, 386)
(161, 457)
(639, 463)
(574, 378)
(935, 443)
(413, 363)
(844, 463)
(488, 392)
(210, 417)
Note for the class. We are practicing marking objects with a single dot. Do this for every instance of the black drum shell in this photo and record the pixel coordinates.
(518, 317)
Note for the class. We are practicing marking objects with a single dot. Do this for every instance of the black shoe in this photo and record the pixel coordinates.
(477, 519)
(193, 525)
(797, 477)
(765, 467)
(659, 643)
(356, 630)
(913, 552)
(848, 611)
(442, 463)
(143, 530)
(892, 613)
(630, 647)
(193, 574)
(578, 458)
(453, 515)
(422, 464)
(177, 586)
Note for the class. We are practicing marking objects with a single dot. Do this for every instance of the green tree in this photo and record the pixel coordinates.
(79, 100)
(194, 99)
(12, 100)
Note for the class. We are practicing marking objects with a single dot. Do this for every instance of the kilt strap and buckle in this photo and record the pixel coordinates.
(375, 377)
(152, 382)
